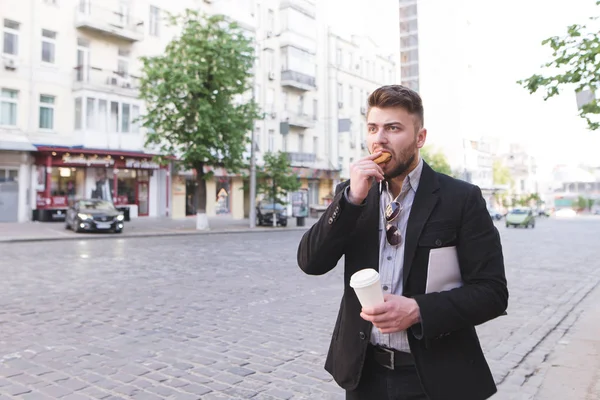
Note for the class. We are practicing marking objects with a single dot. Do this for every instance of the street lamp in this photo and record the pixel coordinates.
(253, 154)
(253, 172)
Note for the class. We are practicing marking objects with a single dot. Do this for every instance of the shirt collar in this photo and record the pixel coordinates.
(413, 178)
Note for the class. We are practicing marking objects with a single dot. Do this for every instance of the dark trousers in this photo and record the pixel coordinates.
(380, 383)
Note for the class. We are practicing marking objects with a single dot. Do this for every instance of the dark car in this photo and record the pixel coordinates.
(94, 215)
(264, 214)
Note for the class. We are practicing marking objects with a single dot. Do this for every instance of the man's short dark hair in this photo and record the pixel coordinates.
(391, 96)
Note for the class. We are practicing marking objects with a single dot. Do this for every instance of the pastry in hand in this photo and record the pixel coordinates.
(384, 157)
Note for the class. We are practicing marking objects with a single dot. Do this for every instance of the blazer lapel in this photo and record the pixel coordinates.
(425, 200)
(372, 224)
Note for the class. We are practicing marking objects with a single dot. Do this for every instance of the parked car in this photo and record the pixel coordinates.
(520, 217)
(94, 215)
(264, 214)
(565, 213)
(495, 214)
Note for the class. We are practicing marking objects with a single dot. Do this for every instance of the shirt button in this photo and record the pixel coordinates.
(389, 258)
(385, 288)
(438, 242)
(362, 336)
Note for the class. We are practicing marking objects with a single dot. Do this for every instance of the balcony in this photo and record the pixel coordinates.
(307, 7)
(297, 120)
(97, 80)
(106, 21)
(296, 158)
(298, 80)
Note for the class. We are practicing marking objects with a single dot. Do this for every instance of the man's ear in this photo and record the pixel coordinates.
(421, 137)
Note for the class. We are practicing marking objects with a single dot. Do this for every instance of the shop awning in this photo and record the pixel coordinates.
(83, 150)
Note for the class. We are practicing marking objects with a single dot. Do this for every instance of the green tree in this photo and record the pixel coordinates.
(576, 65)
(436, 160)
(194, 96)
(501, 174)
(275, 179)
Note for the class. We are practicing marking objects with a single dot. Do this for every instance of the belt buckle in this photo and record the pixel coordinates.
(391, 353)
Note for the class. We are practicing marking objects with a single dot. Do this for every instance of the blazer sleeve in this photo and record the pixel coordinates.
(322, 246)
(484, 294)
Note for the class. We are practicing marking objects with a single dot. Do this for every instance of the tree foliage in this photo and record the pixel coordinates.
(436, 160)
(576, 65)
(501, 174)
(194, 94)
(275, 179)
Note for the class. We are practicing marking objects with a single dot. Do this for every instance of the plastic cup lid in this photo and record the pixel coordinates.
(363, 278)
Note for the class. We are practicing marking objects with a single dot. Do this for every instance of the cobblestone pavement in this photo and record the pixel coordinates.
(231, 316)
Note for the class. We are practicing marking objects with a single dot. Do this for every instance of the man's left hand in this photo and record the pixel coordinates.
(396, 314)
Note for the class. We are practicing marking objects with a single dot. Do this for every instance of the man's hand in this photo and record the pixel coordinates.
(362, 173)
(396, 314)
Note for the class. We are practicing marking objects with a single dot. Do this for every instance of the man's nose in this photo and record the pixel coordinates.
(380, 136)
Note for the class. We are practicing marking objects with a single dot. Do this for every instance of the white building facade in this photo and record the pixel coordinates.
(69, 101)
(354, 69)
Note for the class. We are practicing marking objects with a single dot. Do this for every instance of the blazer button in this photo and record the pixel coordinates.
(438, 242)
(330, 220)
(362, 336)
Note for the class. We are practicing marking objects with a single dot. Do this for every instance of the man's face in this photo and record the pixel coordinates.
(393, 130)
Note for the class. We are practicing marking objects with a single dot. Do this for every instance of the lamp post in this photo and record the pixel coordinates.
(253, 154)
(253, 173)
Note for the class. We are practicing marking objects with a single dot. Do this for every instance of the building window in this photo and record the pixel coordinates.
(316, 145)
(102, 119)
(301, 105)
(90, 113)
(284, 143)
(338, 57)
(271, 140)
(11, 37)
(135, 115)
(114, 117)
(301, 143)
(350, 96)
(8, 107)
(271, 21)
(48, 46)
(257, 139)
(123, 63)
(340, 93)
(78, 116)
(315, 109)
(46, 112)
(154, 21)
(125, 117)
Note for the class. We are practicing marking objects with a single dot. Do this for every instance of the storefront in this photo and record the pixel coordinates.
(131, 180)
(224, 194)
(14, 183)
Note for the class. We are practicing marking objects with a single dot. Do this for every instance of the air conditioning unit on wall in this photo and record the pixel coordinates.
(9, 63)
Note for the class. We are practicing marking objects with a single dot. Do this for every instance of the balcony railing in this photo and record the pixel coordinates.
(298, 80)
(97, 18)
(105, 81)
(299, 120)
(296, 157)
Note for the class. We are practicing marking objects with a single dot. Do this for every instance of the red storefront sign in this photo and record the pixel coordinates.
(51, 202)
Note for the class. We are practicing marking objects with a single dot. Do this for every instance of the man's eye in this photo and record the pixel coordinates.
(394, 128)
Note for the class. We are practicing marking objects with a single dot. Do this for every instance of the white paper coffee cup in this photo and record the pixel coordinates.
(367, 287)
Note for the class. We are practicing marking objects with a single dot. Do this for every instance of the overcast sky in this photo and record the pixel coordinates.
(511, 31)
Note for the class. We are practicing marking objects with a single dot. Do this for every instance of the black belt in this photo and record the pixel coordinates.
(390, 358)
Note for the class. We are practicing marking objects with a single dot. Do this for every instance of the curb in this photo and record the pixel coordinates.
(149, 235)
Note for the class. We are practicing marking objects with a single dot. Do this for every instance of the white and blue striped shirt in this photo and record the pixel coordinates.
(391, 259)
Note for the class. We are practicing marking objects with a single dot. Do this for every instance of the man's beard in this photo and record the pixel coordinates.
(407, 157)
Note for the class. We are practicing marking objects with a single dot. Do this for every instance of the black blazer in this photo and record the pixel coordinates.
(445, 212)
